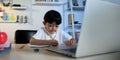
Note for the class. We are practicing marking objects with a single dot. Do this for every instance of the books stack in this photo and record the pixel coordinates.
(5, 49)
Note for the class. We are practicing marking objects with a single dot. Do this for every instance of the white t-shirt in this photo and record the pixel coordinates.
(60, 36)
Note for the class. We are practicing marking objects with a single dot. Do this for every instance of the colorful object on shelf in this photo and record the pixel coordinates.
(12, 17)
(1, 12)
(75, 3)
(3, 37)
(84, 2)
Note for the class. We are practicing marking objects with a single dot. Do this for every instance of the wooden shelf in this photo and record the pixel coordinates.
(20, 8)
(77, 8)
(10, 21)
(77, 25)
(48, 3)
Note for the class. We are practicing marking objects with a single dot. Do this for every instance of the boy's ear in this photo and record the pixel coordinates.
(43, 22)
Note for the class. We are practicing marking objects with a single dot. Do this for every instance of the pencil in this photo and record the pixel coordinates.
(49, 34)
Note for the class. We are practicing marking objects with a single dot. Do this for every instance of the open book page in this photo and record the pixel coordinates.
(37, 46)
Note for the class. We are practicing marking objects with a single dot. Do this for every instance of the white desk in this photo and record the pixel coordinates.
(29, 54)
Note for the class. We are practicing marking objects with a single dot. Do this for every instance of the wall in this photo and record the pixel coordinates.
(10, 28)
(35, 15)
(40, 10)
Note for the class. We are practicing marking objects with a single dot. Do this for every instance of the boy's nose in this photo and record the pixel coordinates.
(53, 28)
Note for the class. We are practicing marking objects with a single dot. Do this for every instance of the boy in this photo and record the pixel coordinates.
(50, 34)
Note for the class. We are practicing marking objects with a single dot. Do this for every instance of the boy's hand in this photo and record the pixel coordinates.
(53, 42)
(70, 42)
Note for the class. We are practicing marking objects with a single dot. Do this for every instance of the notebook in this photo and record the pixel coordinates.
(99, 33)
(37, 46)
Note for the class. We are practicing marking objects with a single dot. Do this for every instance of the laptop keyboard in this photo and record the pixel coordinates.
(72, 50)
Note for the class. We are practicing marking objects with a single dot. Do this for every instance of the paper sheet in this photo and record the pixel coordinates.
(37, 46)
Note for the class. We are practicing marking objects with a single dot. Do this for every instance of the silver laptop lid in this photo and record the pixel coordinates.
(100, 32)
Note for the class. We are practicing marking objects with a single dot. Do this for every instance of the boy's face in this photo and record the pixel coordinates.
(51, 27)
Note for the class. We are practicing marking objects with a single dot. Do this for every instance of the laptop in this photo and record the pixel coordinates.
(100, 31)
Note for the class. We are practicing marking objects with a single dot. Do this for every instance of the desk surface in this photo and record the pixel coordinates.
(29, 54)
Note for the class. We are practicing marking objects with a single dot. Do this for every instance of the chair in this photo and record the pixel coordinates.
(23, 36)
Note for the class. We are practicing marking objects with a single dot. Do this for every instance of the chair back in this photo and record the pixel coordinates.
(23, 36)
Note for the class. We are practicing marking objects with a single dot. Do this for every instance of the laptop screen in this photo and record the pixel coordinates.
(100, 32)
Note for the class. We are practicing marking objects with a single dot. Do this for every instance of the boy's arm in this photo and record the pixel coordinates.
(34, 41)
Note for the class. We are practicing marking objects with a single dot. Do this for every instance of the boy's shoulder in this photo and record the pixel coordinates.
(60, 30)
(41, 29)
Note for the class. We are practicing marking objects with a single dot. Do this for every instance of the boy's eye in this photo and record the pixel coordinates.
(56, 26)
(50, 25)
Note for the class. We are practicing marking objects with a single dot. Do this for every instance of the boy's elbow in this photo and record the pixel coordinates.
(31, 41)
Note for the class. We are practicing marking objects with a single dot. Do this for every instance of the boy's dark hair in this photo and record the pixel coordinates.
(53, 16)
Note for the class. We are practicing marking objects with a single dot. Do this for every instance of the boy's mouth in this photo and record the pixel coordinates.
(51, 32)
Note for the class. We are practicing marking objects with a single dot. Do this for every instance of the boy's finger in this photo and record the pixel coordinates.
(72, 42)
